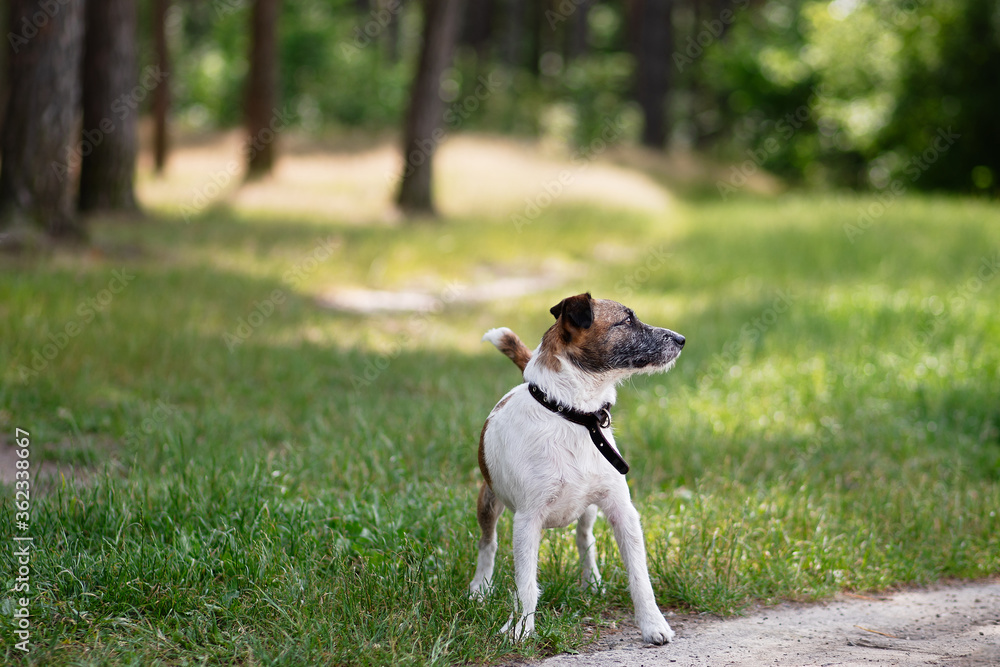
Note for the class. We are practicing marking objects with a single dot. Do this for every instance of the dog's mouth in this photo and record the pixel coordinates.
(659, 350)
(661, 361)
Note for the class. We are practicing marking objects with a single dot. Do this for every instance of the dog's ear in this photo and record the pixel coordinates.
(575, 310)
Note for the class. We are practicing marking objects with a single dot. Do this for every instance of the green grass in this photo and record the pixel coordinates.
(268, 505)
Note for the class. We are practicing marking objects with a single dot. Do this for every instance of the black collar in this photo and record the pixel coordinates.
(593, 421)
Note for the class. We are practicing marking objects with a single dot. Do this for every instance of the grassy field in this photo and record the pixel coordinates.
(269, 482)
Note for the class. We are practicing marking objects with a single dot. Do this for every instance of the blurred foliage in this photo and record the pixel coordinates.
(862, 93)
(891, 91)
(334, 70)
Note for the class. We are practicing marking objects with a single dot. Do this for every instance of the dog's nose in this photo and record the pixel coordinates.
(677, 338)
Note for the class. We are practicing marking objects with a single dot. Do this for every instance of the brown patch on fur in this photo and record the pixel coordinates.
(551, 346)
(483, 468)
(488, 509)
(577, 319)
(517, 351)
(593, 339)
(569, 339)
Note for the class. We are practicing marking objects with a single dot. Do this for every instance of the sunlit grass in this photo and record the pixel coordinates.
(306, 495)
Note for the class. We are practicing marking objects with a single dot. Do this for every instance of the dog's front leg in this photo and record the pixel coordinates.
(527, 539)
(624, 519)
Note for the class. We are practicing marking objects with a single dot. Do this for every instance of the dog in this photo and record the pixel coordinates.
(546, 451)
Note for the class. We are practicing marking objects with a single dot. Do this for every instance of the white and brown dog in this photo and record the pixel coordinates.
(544, 451)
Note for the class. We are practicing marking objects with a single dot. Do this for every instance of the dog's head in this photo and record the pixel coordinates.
(601, 336)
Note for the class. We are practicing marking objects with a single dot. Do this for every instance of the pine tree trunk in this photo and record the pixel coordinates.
(39, 132)
(262, 89)
(5, 57)
(111, 101)
(161, 95)
(477, 28)
(577, 32)
(422, 131)
(514, 20)
(654, 29)
(536, 24)
(390, 35)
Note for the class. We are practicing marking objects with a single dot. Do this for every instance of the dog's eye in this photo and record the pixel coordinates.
(626, 322)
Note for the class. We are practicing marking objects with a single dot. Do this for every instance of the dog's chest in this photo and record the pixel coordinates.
(543, 464)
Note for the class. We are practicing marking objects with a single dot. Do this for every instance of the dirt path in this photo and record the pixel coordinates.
(957, 626)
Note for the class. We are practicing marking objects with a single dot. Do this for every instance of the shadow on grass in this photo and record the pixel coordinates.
(815, 449)
(760, 288)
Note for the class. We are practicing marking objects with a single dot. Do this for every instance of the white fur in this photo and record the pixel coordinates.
(548, 471)
(496, 335)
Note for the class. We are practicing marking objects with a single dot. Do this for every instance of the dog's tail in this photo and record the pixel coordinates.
(507, 342)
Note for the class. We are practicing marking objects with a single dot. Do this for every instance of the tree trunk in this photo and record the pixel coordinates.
(111, 100)
(262, 89)
(390, 35)
(422, 131)
(536, 24)
(39, 133)
(161, 94)
(514, 19)
(654, 32)
(477, 28)
(576, 30)
(5, 57)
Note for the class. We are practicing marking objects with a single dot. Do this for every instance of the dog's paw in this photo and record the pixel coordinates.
(593, 585)
(521, 629)
(657, 633)
(478, 590)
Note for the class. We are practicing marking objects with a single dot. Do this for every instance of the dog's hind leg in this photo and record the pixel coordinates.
(590, 576)
(488, 510)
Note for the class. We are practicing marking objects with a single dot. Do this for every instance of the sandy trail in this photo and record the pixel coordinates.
(957, 626)
(476, 175)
